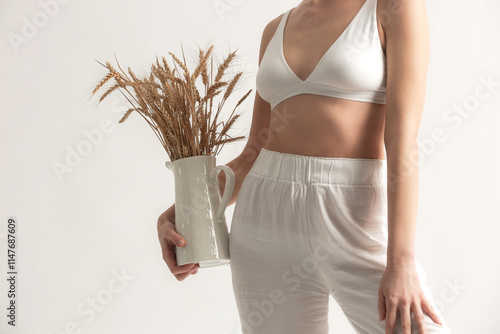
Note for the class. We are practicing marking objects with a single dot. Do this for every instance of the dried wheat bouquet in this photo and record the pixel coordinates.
(170, 102)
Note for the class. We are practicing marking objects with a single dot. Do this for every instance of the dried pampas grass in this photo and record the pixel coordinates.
(170, 102)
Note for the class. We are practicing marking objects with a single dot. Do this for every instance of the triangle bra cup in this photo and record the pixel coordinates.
(353, 68)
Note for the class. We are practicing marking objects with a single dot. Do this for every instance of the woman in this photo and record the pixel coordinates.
(320, 211)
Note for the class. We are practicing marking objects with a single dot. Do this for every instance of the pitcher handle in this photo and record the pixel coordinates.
(228, 189)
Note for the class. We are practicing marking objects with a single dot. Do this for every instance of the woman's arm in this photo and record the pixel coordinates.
(258, 134)
(407, 53)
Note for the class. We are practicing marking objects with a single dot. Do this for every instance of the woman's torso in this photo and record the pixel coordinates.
(318, 125)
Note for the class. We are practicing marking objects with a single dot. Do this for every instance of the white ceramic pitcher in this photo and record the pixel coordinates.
(199, 210)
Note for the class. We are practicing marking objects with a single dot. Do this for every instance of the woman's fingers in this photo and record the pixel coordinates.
(419, 316)
(171, 261)
(390, 321)
(167, 237)
(405, 316)
(180, 272)
(169, 257)
(381, 305)
(181, 277)
(427, 308)
(400, 293)
(170, 234)
(192, 271)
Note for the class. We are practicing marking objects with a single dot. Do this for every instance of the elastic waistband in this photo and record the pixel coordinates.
(314, 169)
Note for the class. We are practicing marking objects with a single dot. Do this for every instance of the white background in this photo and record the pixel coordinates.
(76, 232)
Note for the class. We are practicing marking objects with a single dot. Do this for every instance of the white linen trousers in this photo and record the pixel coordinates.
(307, 227)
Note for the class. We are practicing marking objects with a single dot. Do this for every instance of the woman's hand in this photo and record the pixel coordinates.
(400, 291)
(168, 239)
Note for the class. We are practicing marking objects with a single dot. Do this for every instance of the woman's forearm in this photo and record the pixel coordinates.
(402, 196)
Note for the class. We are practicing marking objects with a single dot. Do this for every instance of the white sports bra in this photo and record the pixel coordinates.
(353, 68)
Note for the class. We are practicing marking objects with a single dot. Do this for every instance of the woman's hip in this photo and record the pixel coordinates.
(288, 194)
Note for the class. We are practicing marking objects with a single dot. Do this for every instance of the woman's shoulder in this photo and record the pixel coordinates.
(270, 30)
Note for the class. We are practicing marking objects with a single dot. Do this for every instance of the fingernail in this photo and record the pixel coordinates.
(180, 242)
(194, 272)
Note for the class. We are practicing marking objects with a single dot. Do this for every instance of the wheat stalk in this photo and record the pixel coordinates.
(170, 102)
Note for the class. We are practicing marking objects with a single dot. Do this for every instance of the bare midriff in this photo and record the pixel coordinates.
(316, 125)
